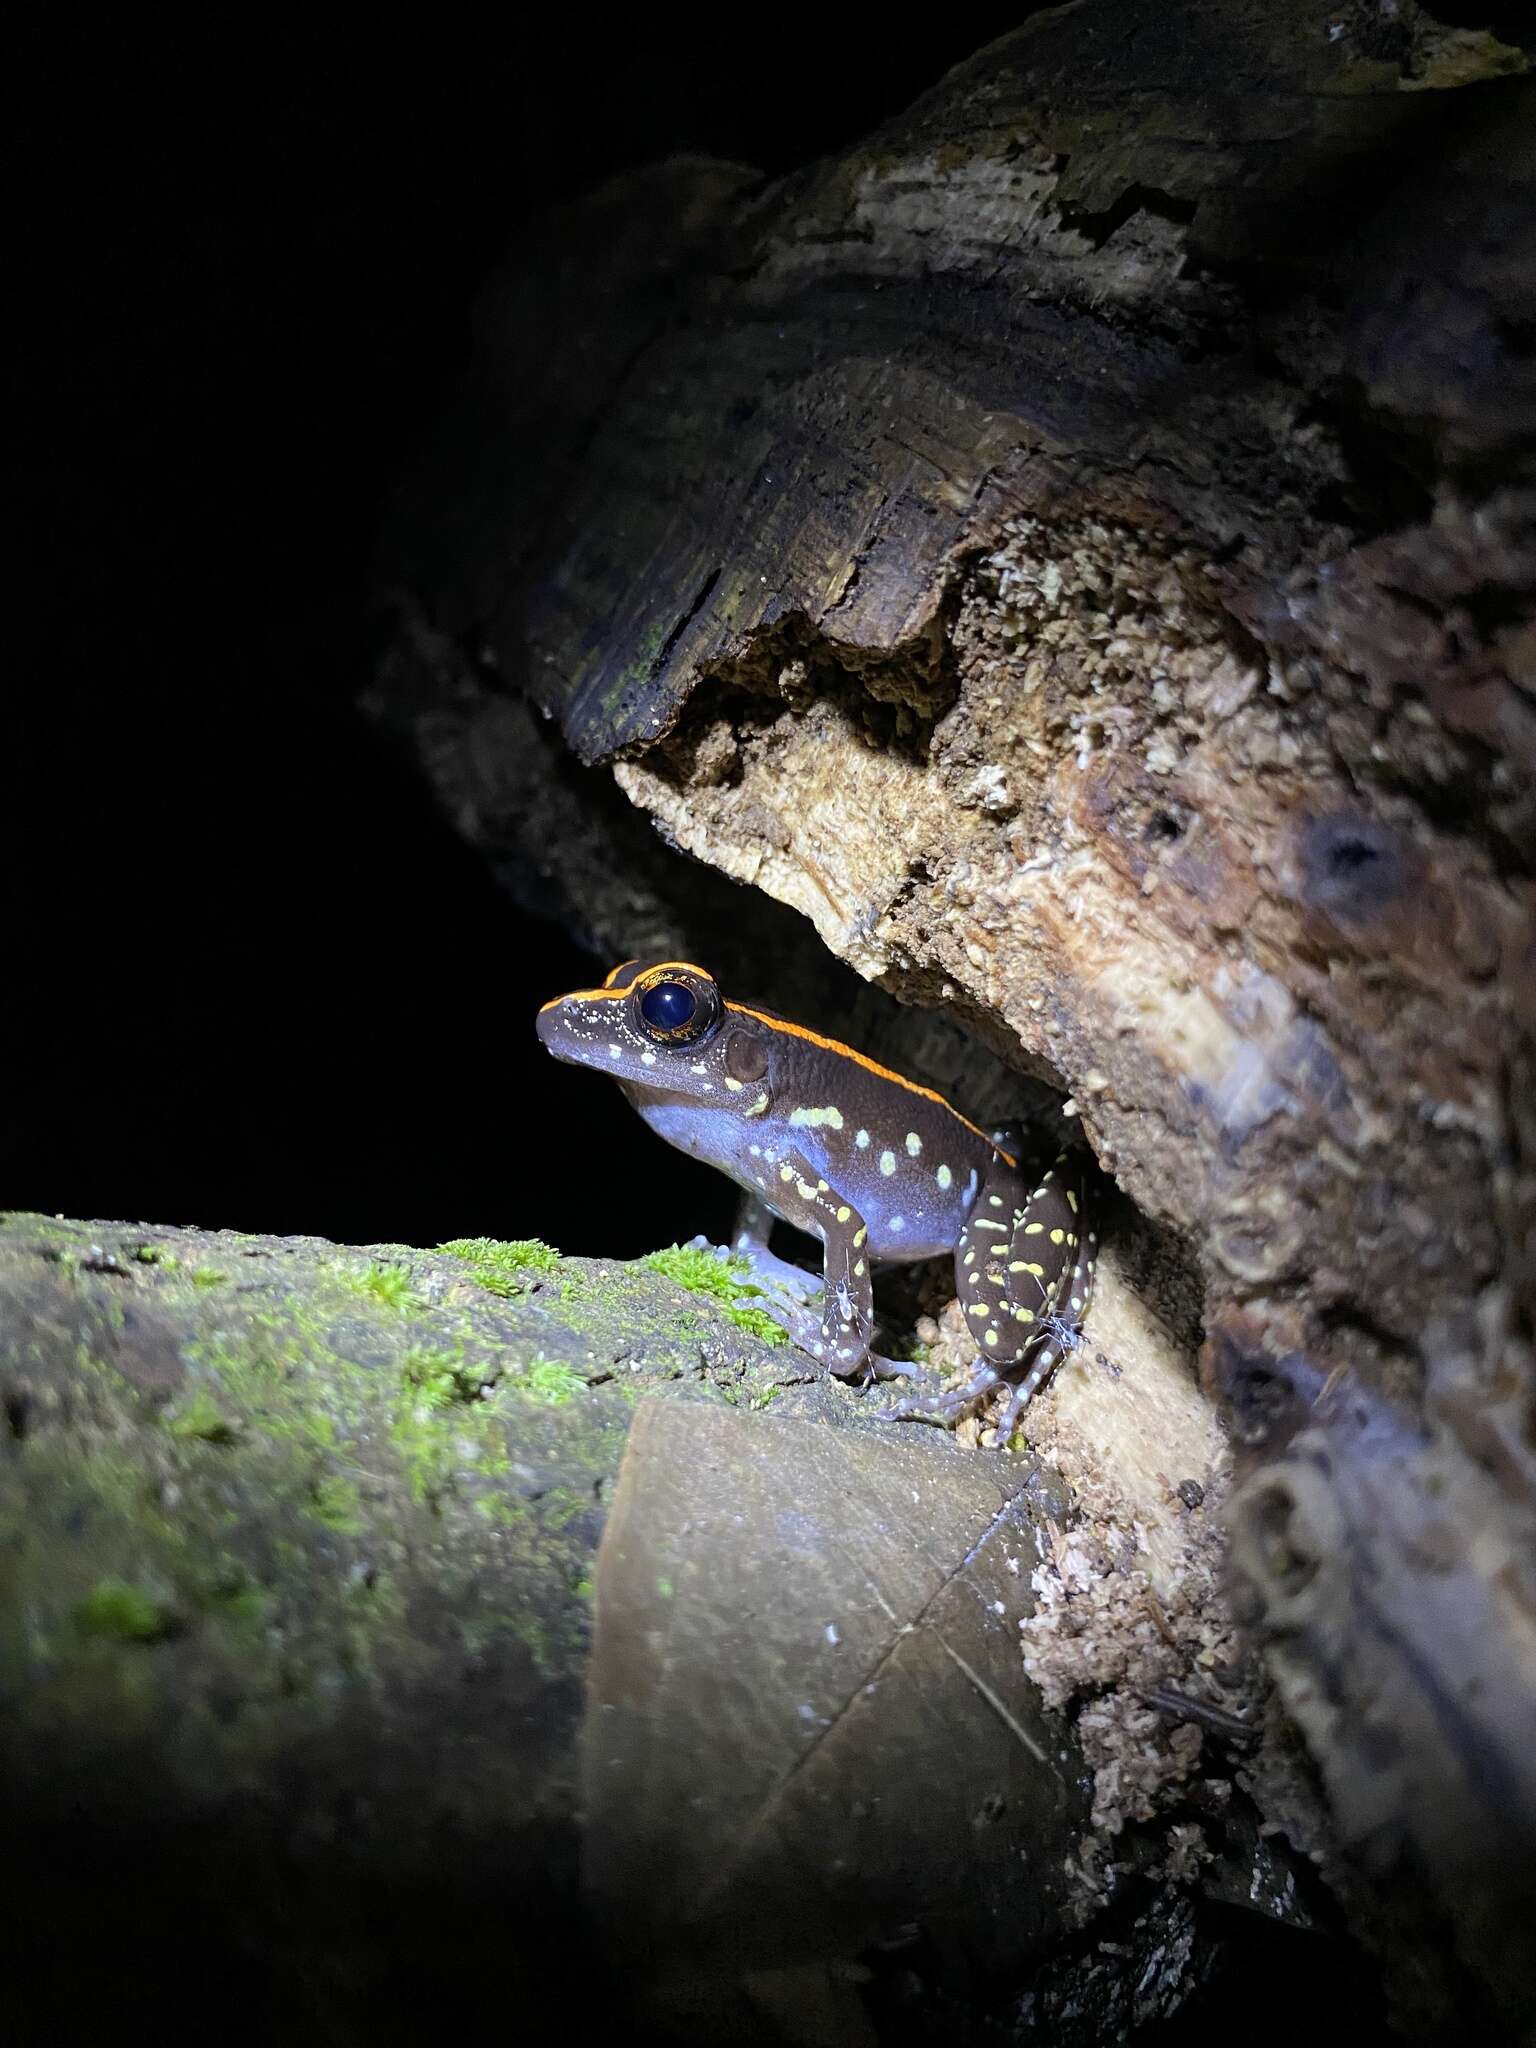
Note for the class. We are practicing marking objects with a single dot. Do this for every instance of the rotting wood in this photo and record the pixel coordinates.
(1079, 549)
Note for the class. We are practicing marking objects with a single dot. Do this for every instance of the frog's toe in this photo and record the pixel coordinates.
(878, 1368)
(796, 1321)
(775, 1275)
(947, 1409)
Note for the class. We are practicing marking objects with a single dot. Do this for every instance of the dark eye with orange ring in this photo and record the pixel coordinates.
(671, 1010)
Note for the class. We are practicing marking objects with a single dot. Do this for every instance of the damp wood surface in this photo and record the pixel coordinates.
(340, 1579)
(1077, 552)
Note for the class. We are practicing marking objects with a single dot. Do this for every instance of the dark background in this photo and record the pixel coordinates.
(250, 977)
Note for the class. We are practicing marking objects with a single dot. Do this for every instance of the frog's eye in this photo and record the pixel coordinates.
(669, 1007)
(675, 1009)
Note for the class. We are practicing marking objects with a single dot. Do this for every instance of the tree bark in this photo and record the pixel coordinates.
(1079, 550)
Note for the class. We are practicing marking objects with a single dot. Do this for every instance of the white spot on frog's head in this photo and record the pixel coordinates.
(887, 1163)
(647, 1059)
(944, 1177)
(898, 1223)
(615, 1052)
(861, 1139)
(914, 1144)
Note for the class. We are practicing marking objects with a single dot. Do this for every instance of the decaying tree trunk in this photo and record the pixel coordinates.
(1079, 550)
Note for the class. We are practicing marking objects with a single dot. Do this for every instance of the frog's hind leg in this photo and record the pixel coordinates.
(1045, 1278)
(982, 1257)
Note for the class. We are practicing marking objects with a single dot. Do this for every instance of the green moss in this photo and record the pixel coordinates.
(548, 1382)
(202, 1419)
(123, 1613)
(337, 1503)
(246, 1606)
(208, 1276)
(390, 1285)
(151, 1255)
(497, 1264)
(560, 1506)
(440, 1377)
(725, 1280)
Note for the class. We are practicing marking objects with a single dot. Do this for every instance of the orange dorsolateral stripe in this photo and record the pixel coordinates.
(608, 994)
(870, 1067)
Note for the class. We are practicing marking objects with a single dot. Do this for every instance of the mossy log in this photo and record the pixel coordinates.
(401, 1627)
(1079, 551)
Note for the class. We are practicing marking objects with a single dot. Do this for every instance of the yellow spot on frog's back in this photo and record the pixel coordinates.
(887, 1163)
(914, 1144)
(1034, 1230)
(861, 1139)
(858, 1271)
(734, 1085)
(844, 1213)
(786, 1173)
(859, 1236)
(990, 1337)
(1058, 1237)
(831, 1116)
(944, 1177)
(1071, 1201)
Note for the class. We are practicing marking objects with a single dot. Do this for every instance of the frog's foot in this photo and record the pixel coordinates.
(837, 1350)
(877, 1368)
(777, 1276)
(801, 1325)
(948, 1409)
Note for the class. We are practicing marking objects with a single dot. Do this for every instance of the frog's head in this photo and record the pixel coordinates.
(661, 1028)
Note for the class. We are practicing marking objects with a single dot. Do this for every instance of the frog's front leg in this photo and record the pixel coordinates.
(839, 1338)
(749, 1246)
(749, 1241)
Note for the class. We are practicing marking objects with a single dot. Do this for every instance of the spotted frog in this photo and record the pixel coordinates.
(880, 1168)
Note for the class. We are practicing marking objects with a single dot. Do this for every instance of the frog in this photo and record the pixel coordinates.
(882, 1169)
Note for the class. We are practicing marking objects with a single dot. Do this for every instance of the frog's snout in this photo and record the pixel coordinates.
(565, 1029)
